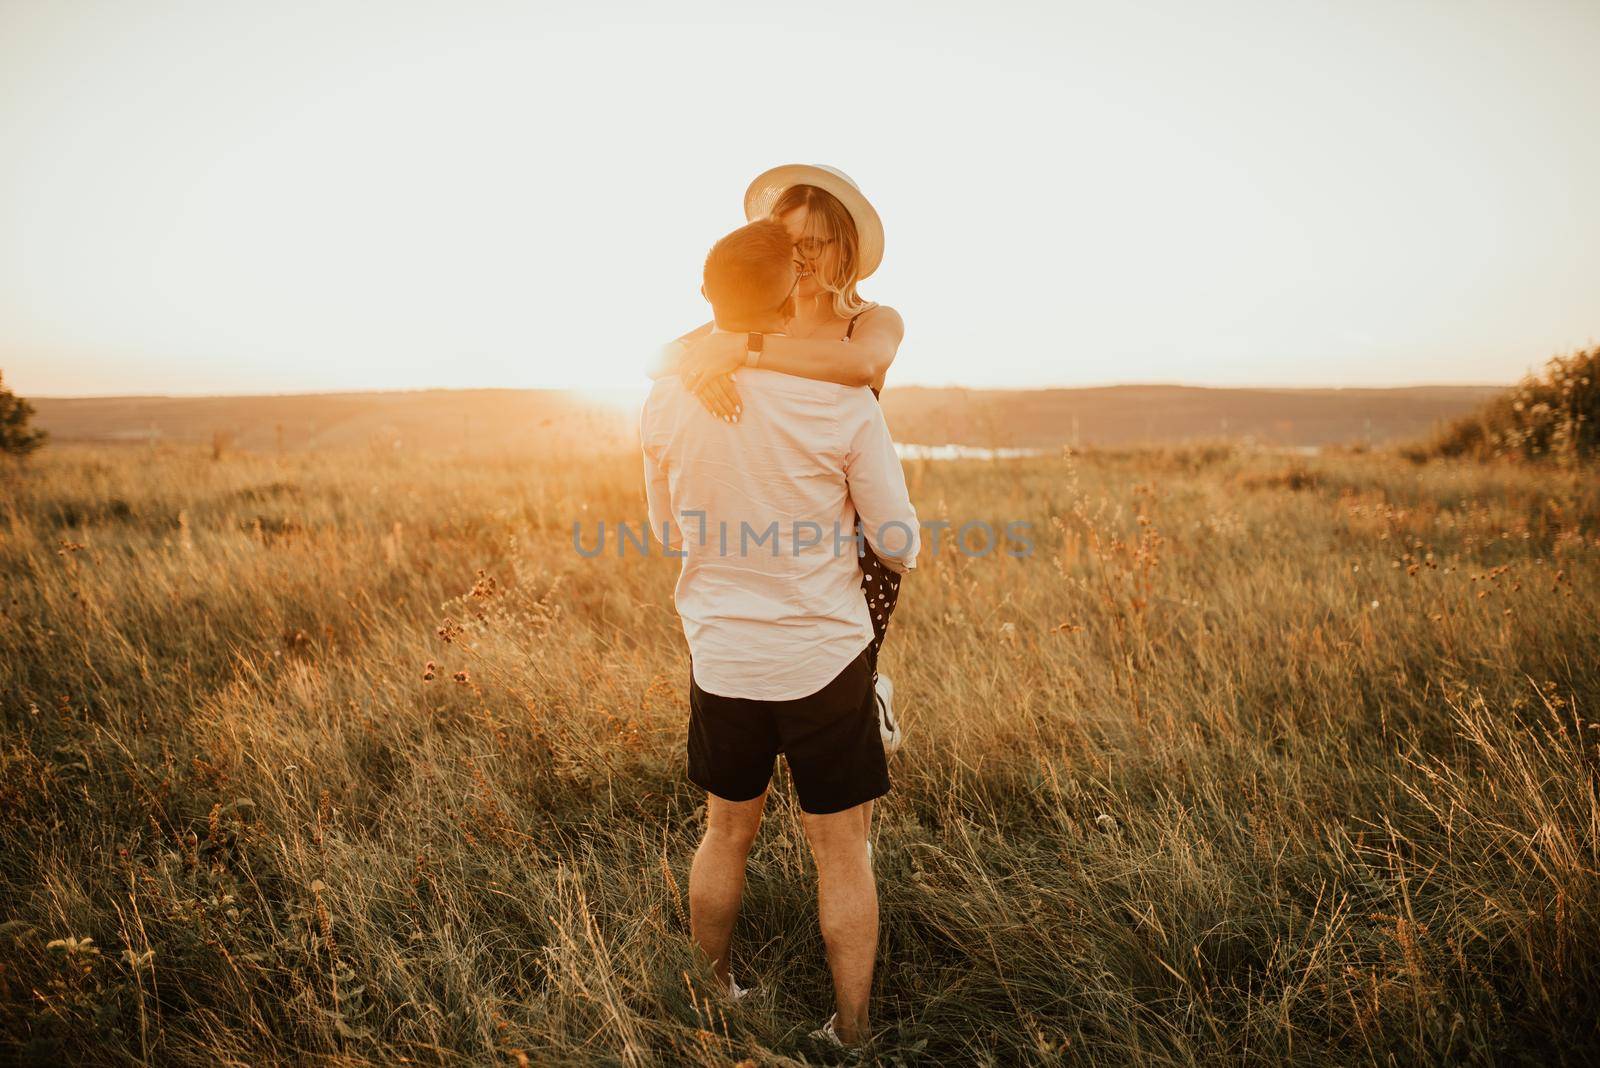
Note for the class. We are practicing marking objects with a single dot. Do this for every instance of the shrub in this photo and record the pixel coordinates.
(1552, 415)
(16, 437)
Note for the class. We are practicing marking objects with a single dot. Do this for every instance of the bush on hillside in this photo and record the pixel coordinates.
(17, 438)
(1548, 416)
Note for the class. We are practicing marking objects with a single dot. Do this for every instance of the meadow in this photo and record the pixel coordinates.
(351, 758)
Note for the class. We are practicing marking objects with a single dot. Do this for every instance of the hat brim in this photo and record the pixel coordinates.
(770, 185)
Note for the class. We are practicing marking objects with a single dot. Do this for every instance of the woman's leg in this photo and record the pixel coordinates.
(881, 587)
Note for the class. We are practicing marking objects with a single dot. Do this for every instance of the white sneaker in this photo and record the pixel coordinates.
(735, 991)
(827, 1036)
(888, 727)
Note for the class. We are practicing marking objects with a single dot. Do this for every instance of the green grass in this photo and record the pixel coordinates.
(1255, 761)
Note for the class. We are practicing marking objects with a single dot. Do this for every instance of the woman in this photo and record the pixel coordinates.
(835, 336)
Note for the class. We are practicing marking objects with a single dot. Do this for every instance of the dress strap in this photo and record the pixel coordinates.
(852, 327)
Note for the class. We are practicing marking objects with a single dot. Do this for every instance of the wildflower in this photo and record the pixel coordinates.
(461, 677)
(427, 672)
(138, 960)
(484, 587)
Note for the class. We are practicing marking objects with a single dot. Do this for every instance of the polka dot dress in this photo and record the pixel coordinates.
(882, 589)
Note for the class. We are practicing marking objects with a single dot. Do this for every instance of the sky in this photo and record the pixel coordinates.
(228, 197)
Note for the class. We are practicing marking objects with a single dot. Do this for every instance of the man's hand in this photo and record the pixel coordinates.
(720, 397)
(710, 357)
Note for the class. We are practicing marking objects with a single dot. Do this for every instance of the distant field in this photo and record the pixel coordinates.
(347, 757)
(418, 420)
(456, 419)
(1161, 415)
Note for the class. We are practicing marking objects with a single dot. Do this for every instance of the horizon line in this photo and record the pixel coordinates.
(644, 387)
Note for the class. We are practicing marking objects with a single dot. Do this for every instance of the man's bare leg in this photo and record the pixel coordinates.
(866, 820)
(716, 876)
(847, 908)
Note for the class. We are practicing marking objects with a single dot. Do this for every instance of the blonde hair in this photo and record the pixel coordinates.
(827, 219)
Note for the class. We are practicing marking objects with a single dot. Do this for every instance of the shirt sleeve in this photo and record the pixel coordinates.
(878, 488)
(657, 492)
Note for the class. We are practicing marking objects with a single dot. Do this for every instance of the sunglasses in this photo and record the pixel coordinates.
(812, 247)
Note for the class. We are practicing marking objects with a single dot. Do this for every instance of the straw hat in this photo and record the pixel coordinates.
(770, 185)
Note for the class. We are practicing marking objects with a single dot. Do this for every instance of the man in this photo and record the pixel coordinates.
(771, 604)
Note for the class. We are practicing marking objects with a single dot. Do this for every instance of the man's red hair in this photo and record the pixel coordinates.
(750, 272)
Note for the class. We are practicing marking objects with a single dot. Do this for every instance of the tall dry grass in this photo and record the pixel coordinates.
(352, 759)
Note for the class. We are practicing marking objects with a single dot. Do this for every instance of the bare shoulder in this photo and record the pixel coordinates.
(881, 317)
(882, 328)
(879, 331)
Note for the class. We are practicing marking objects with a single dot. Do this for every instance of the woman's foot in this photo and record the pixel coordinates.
(888, 727)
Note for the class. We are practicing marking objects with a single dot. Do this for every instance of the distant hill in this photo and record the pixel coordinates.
(1126, 415)
(424, 419)
(1046, 418)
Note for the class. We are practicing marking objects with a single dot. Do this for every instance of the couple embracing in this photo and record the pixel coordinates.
(770, 470)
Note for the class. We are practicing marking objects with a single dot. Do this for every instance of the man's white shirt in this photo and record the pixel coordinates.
(767, 615)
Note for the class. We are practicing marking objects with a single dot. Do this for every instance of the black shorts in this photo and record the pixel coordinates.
(830, 740)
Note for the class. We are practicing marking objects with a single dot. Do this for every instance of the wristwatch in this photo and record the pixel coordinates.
(752, 348)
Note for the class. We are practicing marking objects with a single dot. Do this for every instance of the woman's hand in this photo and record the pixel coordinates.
(711, 356)
(720, 397)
